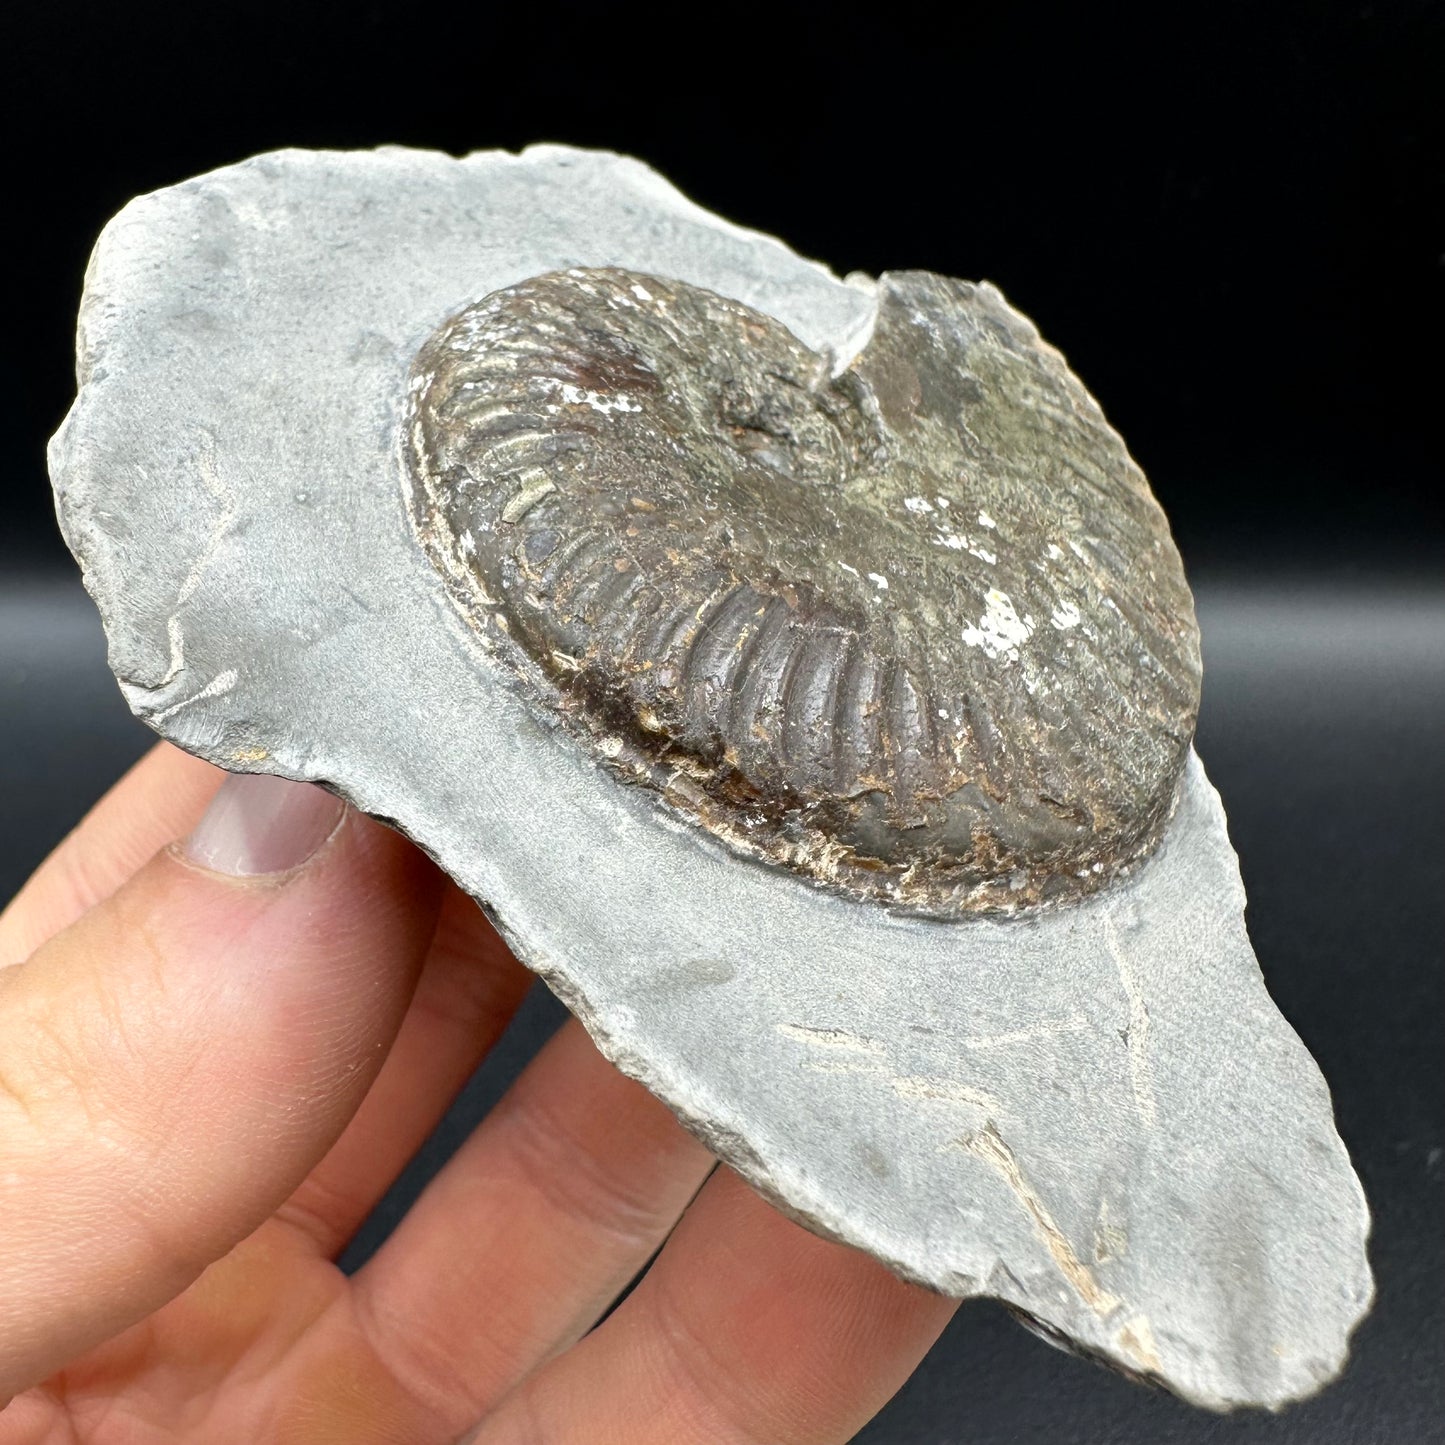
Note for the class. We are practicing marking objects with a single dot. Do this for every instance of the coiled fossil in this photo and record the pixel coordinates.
(914, 628)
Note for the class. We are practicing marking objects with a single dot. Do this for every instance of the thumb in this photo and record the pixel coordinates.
(175, 1062)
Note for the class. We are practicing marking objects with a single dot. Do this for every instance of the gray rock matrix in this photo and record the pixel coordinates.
(1093, 1112)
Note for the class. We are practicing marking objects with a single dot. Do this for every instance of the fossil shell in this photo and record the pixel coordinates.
(914, 628)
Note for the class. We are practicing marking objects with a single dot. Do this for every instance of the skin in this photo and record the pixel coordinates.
(206, 1082)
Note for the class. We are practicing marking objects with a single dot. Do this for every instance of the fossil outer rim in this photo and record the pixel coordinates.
(915, 630)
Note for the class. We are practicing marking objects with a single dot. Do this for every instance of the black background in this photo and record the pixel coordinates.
(1230, 217)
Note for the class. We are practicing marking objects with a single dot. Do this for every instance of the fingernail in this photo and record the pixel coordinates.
(258, 824)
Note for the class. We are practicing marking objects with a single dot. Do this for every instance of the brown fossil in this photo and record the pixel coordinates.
(914, 628)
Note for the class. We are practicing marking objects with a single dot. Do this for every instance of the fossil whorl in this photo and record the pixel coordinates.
(916, 629)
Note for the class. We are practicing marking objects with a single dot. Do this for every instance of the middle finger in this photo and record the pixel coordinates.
(530, 1232)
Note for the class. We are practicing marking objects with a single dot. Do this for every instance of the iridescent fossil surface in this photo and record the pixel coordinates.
(916, 629)
(1089, 1108)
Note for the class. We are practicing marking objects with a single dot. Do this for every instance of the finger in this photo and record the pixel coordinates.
(174, 1062)
(530, 1232)
(469, 989)
(748, 1330)
(162, 797)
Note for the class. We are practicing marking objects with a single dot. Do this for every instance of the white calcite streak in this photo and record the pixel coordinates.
(1000, 631)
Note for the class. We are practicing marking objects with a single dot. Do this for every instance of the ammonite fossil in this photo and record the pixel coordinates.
(915, 628)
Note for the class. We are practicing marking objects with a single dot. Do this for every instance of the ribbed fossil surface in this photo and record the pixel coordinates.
(914, 628)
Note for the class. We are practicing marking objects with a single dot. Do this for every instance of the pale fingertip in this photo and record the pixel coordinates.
(258, 825)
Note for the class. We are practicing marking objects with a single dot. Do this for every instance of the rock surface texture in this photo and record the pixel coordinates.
(1088, 1108)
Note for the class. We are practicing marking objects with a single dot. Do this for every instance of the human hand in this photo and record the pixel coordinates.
(215, 1059)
